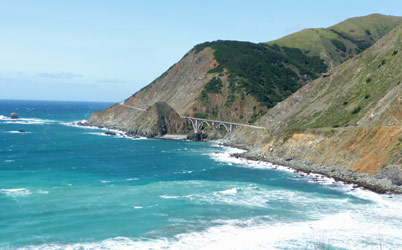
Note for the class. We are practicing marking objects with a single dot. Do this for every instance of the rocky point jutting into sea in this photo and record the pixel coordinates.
(324, 100)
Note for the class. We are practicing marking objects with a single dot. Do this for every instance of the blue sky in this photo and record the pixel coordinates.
(107, 50)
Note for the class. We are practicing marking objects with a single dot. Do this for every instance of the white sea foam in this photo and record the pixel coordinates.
(168, 197)
(28, 121)
(229, 191)
(117, 133)
(96, 133)
(331, 222)
(341, 230)
(16, 192)
(227, 158)
(42, 191)
(18, 132)
(105, 181)
(132, 179)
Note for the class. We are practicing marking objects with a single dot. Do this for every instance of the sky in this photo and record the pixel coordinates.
(98, 50)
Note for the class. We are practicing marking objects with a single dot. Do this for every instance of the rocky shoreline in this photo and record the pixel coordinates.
(347, 176)
(370, 182)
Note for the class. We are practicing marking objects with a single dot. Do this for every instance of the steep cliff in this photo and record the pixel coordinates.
(158, 120)
(351, 117)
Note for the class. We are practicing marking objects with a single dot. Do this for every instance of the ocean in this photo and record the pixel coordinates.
(68, 187)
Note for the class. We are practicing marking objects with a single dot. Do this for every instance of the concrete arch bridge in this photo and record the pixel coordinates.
(229, 126)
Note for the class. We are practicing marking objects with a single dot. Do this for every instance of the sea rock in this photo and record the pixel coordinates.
(21, 131)
(110, 133)
(13, 116)
(394, 173)
(82, 124)
(197, 136)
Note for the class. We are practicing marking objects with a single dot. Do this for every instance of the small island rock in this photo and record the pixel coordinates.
(13, 116)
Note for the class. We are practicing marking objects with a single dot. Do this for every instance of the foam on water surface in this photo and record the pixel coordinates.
(15, 192)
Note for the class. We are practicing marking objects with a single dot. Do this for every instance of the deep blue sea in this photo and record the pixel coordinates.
(63, 186)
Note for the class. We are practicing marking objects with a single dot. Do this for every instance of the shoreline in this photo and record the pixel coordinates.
(344, 175)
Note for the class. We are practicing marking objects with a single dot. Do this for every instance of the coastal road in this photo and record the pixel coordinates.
(122, 104)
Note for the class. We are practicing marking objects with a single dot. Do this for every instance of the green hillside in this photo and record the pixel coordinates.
(342, 41)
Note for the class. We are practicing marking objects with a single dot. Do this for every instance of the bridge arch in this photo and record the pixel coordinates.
(202, 123)
(195, 124)
(224, 125)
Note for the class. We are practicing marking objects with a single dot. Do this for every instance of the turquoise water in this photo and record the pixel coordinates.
(63, 186)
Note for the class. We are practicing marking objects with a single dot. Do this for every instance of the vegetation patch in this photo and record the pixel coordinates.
(356, 110)
(270, 73)
(361, 44)
(339, 45)
(214, 86)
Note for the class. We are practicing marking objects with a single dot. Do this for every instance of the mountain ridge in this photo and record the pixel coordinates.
(341, 41)
(252, 81)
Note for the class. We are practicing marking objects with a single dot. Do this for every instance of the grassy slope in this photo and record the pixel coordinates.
(355, 88)
(355, 34)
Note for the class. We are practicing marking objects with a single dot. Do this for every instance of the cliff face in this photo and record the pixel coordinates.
(351, 117)
(158, 120)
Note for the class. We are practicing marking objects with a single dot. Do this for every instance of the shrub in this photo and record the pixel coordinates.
(252, 120)
(356, 110)
(382, 63)
(214, 86)
(204, 97)
(339, 45)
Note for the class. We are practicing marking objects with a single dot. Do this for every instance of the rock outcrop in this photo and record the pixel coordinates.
(13, 116)
(158, 120)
